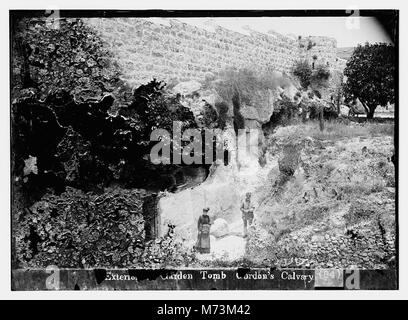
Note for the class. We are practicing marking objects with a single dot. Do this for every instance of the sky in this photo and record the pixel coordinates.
(348, 31)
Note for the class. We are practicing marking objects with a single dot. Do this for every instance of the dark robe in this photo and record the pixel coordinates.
(203, 237)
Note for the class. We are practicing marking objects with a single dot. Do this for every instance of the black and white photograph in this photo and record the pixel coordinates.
(204, 149)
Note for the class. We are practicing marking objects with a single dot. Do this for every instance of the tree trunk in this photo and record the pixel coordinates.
(321, 119)
(370, 113)
(369, 110)
(304, 112)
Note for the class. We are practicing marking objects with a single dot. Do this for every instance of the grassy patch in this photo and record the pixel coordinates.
(334, 130)
(360, 211)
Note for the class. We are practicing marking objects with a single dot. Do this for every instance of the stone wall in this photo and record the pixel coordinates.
(320, 50)
(174, 51)
(340, 64)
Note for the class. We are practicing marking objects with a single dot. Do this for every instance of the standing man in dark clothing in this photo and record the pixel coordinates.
(203, 236)
(247, 212)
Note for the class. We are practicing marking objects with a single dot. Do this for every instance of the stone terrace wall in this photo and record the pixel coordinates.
(324, 49)
(340, 64)
(179, 51)
(174, 51)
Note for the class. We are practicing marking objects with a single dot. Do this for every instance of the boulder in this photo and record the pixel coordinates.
(219, 228)
(356, 107)
(202, 102)
(187, 88)
(261, 107)
(229, 248)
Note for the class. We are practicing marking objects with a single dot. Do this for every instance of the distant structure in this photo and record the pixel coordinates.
(173, 51)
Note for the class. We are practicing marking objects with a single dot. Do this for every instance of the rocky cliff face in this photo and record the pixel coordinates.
(321, 215)
(79, 134)
(226, 185)
(81, 125)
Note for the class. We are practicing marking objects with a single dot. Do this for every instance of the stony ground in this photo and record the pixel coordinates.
(338, 209)
(323, 199)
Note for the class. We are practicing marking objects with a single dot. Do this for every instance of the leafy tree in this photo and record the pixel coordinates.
(371, 76)
(71, 57)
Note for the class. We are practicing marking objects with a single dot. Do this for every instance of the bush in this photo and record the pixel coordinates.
(222, 109)
(209, 116)
(320, 76)
(64, 215)
(87, 230)
(308, 77)
(241, 85)
(360, 211)
(303, 71)
(310, 45)
(245, 83)
(285, 111)
(79, 230)
(71, 57)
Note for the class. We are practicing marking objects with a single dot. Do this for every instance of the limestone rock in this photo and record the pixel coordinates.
(261, 107)
(187, 87)
(220, 228)
(30, 165)
(230, 248)
(202, 102)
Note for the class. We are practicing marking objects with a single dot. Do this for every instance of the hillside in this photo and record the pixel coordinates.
(345, 52)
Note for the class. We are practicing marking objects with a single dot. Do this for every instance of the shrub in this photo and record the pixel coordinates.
(360, 211)
(85, 146)
(87, 230)
(222, 109)
(77, 229)
(64, 215)
(320, 76)
(71, 57)
(239, 85)
(313, 78)
(310, 45)
(244, 83)
(285, 111)
(314, 110)
(303, 71)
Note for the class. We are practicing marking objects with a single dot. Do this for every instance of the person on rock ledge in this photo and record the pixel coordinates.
(203, 237)
(247, 212)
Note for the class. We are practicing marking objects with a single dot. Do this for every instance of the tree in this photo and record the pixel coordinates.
(313, 79)
(371, 76)
(337, 89)
(71, 57)
(303, 72)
